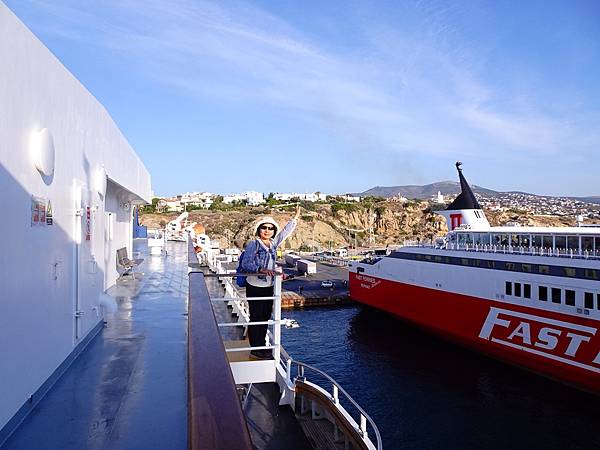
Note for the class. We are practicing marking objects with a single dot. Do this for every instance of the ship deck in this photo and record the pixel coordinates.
(128, 388)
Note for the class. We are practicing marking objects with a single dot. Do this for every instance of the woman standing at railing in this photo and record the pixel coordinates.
(260, 255)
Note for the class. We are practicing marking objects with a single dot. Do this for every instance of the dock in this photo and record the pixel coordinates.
(290, 300)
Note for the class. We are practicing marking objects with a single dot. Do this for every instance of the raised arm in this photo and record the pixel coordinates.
(288, 229)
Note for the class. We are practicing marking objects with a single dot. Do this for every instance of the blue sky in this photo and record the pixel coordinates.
(340, 96)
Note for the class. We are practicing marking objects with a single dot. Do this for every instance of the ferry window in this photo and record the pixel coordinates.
(587, 243)
(556, 294)
(591, 273)
(560, 241)
(510, 266)
(597, 301)
(573, 242)
(517, 289)
(547, 241)
(514, 240)
(508, 288)
(491, 264)
(597, 243)
(504, 240)
(543, 293)
(524, 240)
(570, 271)
(419, 257)
(588, 300)
(527, 290)
(536, 240)
(526, 267)
(544, 269)
(477, 262)
(464, 261)
(428, 257)
(438, 259)
(570, 297)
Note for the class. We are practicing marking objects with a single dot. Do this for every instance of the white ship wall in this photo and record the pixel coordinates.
(48, 271)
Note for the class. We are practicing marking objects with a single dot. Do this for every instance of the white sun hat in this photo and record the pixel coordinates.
(264, 220)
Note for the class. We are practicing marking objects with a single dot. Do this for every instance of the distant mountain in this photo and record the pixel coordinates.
(593, 199)
(428, 191)
(423, 192)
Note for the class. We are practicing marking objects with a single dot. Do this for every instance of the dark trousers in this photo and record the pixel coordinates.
(260, 310)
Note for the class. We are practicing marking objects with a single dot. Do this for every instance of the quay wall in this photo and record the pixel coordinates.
(67, 199)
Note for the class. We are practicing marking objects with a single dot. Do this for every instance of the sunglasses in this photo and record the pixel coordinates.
(266, 227)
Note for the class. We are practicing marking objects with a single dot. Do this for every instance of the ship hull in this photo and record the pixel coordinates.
(559, 346)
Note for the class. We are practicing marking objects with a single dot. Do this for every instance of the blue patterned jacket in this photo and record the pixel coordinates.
(257, 256)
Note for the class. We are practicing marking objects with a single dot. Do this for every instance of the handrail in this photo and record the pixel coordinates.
(335, 398)
(230, 275)
(520, 250)
(279, 355)
(192, 255)
(215, 416)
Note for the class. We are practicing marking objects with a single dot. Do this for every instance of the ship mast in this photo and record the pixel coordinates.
(465, 209)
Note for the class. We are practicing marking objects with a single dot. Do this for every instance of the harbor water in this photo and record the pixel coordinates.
(426, 393)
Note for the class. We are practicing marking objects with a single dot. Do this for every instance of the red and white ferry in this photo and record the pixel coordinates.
(529, 296)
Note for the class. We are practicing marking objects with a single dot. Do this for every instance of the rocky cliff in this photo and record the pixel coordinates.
(331, 226)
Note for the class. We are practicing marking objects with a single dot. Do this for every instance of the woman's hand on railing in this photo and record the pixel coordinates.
(271, 273)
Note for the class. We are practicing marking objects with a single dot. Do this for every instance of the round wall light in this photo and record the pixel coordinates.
(42, 149)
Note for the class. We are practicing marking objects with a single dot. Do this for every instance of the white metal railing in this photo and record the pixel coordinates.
(359, 425)
(284, 362)
(513, 249)
(244, 319)
(336, 260)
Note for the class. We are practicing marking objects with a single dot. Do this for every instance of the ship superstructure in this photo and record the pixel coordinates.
(526, 295)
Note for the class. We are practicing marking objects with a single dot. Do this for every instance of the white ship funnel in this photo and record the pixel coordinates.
(465, 209)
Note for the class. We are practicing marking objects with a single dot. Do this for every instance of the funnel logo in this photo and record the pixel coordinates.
(566, 342)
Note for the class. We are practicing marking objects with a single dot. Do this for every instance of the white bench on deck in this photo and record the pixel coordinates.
(128, 265)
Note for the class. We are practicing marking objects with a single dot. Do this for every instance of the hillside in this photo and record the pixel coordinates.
(325, 225)
(593, 199)
(422, 192)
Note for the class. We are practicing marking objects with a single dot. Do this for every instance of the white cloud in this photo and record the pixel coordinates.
(404, 92)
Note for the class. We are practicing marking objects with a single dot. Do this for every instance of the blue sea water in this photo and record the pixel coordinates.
(426, 393)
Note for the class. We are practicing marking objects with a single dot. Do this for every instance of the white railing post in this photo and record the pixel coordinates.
(336, 395)
(363, 426)
(277, 314)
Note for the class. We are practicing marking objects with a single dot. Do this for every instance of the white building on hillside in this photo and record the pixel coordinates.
(439, 198)
(350, 198)
(309, 197)
(398, 198)
(201, 199)
(252, 198)
(171, 204)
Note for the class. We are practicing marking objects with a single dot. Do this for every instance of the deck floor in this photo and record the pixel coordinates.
(128, 389)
